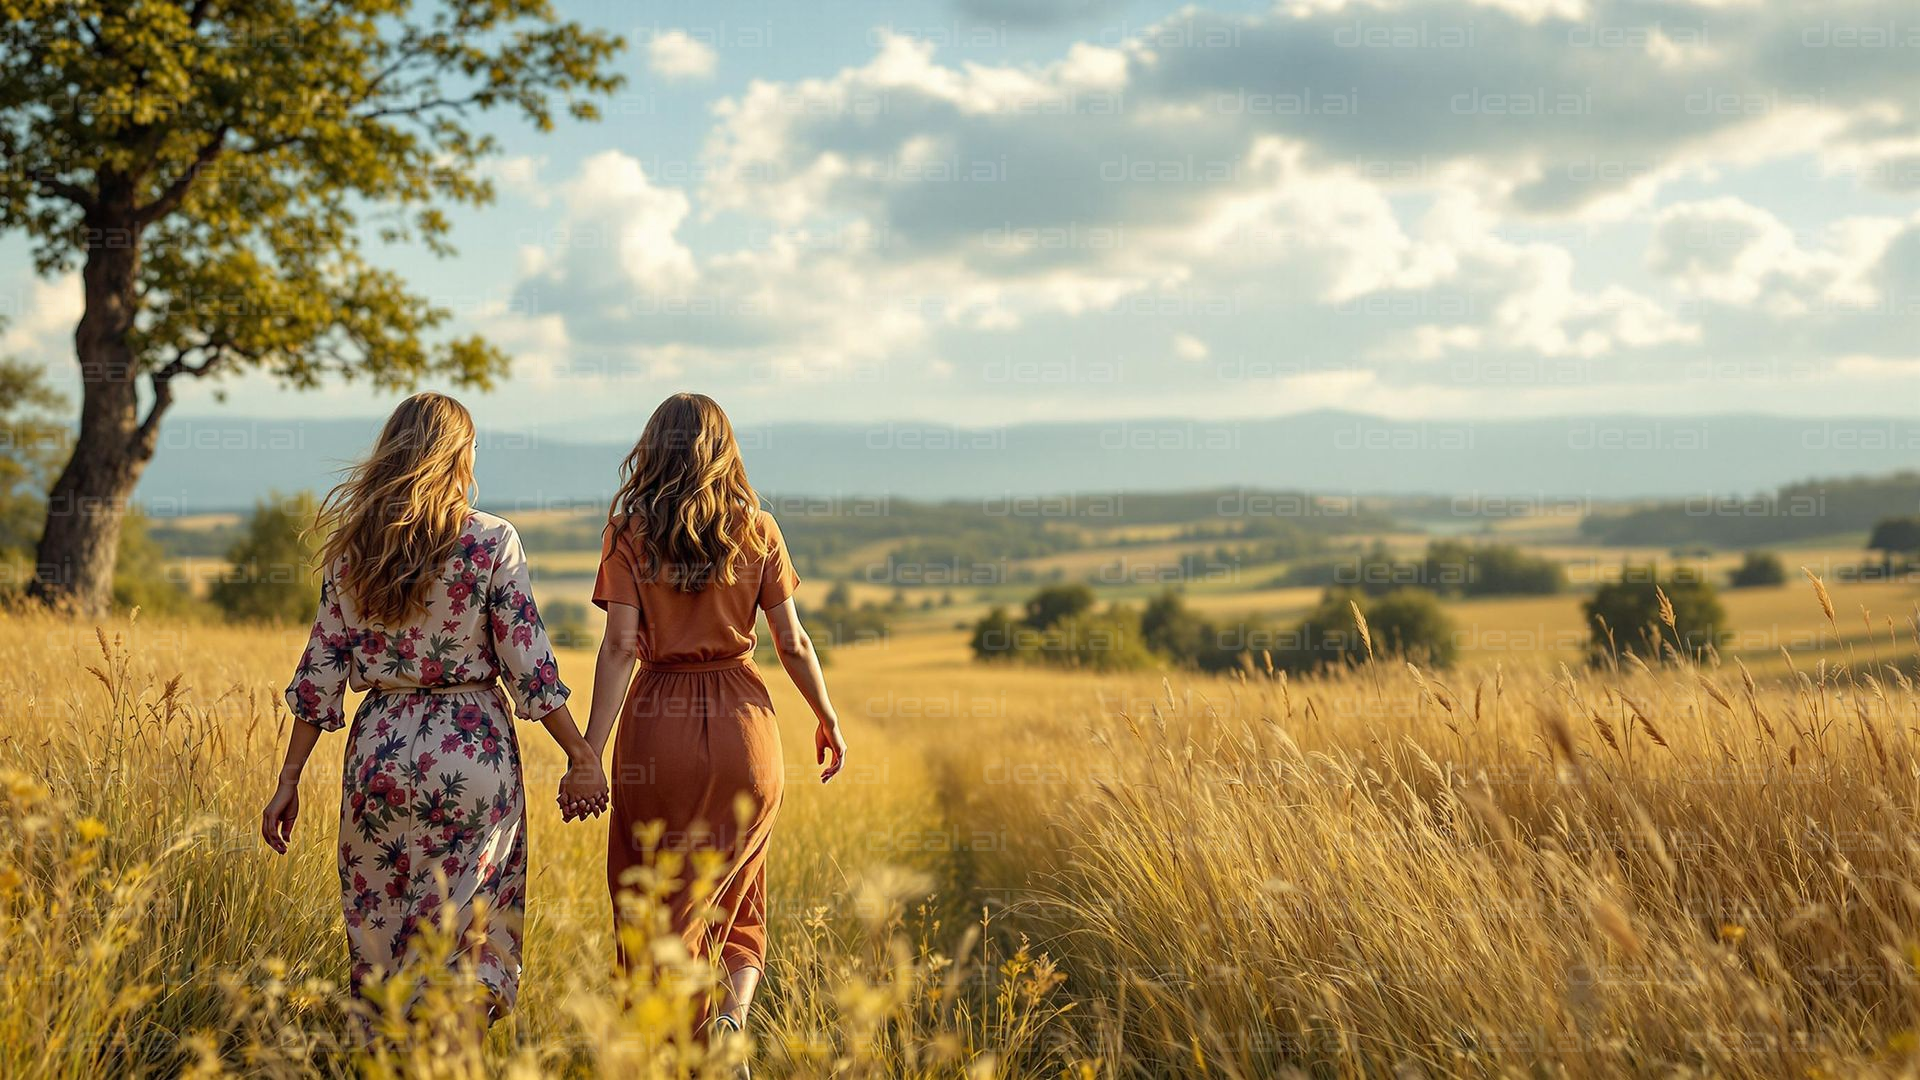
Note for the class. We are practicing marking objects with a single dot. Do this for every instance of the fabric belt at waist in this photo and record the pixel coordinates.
(743, 660)
(458, 688)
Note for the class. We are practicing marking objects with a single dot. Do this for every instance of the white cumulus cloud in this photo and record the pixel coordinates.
(677, 56)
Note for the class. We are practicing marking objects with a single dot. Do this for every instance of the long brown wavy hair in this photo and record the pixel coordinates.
(400, 511)
(685, 497)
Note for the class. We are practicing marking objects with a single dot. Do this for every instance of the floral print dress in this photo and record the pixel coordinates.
(432, 811)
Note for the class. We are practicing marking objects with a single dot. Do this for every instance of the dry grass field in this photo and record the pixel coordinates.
(1517, 868)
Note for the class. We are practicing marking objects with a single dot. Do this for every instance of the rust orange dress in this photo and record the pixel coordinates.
(695, 735)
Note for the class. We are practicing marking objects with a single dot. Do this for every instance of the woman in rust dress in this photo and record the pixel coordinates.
(687, 561)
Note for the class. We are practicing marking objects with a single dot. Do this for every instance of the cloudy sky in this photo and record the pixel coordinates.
(989, 211)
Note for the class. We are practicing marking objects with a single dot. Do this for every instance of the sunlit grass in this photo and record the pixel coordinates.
(1517, 868)
(143, 925)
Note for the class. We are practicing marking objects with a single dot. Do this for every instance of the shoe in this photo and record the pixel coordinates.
(723, 1028)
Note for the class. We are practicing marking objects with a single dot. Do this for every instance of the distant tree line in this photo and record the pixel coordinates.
(1802, 511)
(1062, 626)
(974, 554)
(1449, 568)
(1644, 614)
(842, 622)
(1271, 543)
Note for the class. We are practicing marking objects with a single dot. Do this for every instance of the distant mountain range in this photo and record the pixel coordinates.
(218, 463)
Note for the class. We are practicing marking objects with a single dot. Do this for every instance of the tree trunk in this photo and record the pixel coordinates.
(74, 565)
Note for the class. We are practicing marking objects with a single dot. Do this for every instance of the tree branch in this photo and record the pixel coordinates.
(409, 112)
(213, 349)
(169, 200)
(71, 192)
(419, 108)
(147, 437)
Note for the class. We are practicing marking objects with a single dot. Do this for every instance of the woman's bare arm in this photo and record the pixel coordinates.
(583, 788)
(797, 656)
(613, 672)
(276, 821)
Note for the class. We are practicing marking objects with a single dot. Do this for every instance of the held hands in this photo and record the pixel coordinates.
(583, 790)
(276, 821)
(827, 739)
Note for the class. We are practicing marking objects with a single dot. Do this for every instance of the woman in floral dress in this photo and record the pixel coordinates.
(425, 605)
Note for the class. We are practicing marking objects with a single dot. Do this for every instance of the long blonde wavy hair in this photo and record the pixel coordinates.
(685, 498)
(397, 516)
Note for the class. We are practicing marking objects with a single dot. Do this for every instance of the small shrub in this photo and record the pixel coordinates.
(569, 624)
(1405, 624)
(1489, 570)
(140, 576)
(271, 577)
(1627, 616)
(33, 443)
(1759, 569)
(1057, 602)
(1894, 537)
(1108, 641)
(994, 636)
(1168, 627)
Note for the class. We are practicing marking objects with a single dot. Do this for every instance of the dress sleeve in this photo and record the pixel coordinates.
(318, 692)
(519, 640)
(777, 576)
(614, 584)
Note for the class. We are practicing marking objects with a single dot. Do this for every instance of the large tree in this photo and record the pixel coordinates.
(213, 166)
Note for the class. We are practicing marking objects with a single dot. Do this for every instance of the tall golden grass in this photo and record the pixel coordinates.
(1650, 871)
